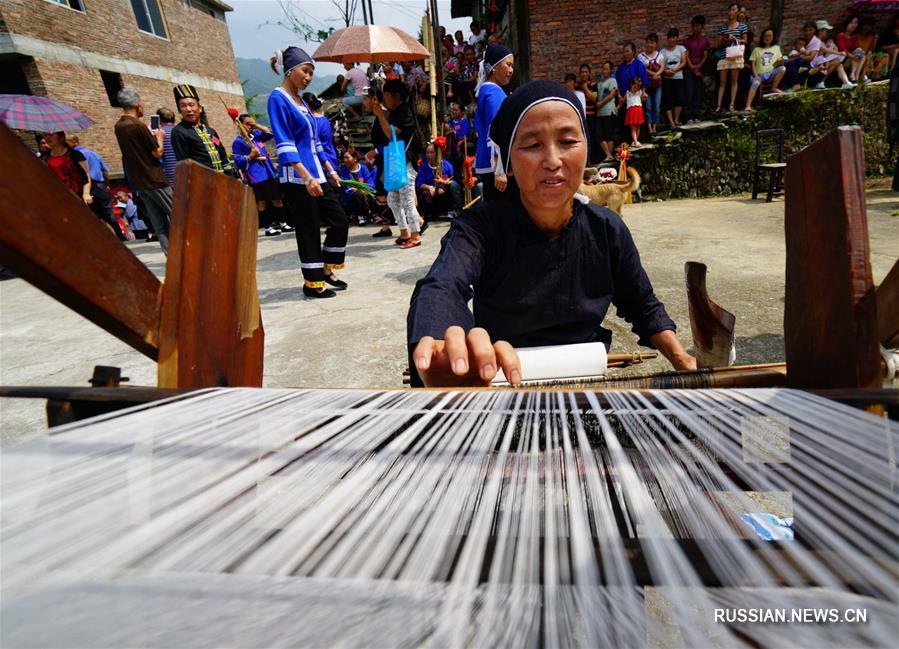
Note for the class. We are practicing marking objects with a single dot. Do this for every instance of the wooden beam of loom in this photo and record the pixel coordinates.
(888, 308)
(210, 331)
(830, 316)
(51, 239)
(203, 326)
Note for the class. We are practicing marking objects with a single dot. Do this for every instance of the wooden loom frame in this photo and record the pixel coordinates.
(204, 326)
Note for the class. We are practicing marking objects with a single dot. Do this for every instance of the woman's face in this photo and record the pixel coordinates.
(469, 54)
(732, 12)
(650, 45)
(548, 156)
(348, 160)
(767, 38)
(852, 25)
(503, 71)
(53, 140)
(628, 53)
(460, 38)
(606, 70)
(301, 75)
(431, 154)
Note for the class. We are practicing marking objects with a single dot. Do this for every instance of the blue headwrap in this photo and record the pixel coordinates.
(290, 58)
(493, 56)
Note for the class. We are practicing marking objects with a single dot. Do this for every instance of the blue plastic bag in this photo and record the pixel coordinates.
(395, 175)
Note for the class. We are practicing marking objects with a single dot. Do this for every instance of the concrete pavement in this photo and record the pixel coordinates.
(357, 338)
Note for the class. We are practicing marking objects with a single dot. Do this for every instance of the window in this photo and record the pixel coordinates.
(77, 5)
(112, 81)
(149, 17)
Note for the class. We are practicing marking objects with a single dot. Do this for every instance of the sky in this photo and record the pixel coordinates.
(253, 38)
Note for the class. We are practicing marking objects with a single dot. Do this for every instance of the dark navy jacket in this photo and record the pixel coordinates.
(530, 290)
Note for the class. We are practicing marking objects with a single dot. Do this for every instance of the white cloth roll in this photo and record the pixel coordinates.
(559, 362)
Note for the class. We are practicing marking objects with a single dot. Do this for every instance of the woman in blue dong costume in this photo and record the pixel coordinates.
(496, 73)
(308, 179)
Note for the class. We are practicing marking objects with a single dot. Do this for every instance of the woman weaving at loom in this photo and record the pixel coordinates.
(541, 265)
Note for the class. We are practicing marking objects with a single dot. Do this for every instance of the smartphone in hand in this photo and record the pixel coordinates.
(154, 122)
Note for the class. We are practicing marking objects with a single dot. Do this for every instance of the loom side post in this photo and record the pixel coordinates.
(830, 317)
(211, 331)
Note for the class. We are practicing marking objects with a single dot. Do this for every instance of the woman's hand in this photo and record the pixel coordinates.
(683, 362)
(334, 179)
(500, 182)
(315, 189)
(464, 361)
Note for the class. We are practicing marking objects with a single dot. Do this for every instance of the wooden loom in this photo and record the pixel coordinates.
(204, 328)
(203, 325)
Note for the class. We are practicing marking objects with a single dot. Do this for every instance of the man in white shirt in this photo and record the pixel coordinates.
(477, 34)
(356, 78)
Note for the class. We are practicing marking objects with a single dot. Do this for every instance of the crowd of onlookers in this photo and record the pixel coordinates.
(670, 81)
(667, 81)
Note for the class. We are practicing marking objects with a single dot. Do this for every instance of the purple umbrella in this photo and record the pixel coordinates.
(41, 114)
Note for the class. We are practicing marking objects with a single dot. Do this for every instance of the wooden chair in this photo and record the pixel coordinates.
(774, 168)
(203, 325)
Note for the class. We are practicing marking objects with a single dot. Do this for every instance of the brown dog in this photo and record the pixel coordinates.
(612, 195)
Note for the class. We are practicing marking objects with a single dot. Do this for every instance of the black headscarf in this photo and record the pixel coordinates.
(513, 109)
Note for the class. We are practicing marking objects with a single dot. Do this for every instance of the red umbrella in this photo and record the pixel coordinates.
(42, 114)
(370, 44)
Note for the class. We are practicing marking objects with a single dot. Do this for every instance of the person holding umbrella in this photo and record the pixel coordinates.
(495, 74)
(307, 178)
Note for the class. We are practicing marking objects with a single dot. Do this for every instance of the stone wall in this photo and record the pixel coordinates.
(719, 160)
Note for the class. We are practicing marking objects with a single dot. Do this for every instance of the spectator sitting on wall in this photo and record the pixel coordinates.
(141, 152)
(697, 45)
(889, 43)
(847, 41)
(767, 65)
(830, 58)
(867, 40)
(194, 140)
(138, 227)
(463, 88)
(357, 80)
(166, 124)
(799, 67)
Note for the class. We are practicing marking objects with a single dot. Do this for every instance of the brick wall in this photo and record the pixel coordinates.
(566, 33)
(83, 88)
(197, 42)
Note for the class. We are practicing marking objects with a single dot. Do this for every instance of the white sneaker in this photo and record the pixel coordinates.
(848, 85)
(819, 85)
(272, 232)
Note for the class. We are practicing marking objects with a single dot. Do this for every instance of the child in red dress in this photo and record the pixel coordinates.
(634, 115)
